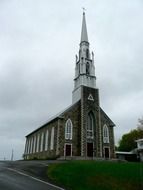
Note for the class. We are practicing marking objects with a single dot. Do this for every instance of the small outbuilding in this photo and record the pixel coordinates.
(140, 149)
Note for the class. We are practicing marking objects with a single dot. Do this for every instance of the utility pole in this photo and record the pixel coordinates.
(12, 155)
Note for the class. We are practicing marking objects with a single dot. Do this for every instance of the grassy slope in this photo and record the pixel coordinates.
(93, 175)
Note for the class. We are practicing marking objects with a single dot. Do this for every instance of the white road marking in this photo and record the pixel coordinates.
(45, 164)
(21, 173)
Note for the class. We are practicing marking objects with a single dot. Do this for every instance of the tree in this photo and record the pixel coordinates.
(127, 142)
(140, 124)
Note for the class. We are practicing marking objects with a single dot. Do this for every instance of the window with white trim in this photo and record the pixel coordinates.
(28, 146)
(90, 125)
(105, 134)
(68, 129)
(34, 144)
(52, 139)
(38, 141)
(42, 140)
(31, 145)
(46, 141)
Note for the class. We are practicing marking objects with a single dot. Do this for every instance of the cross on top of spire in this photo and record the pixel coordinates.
(83, 10)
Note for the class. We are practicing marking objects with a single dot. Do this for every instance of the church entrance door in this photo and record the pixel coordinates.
(90, 149)
(68, 150)
(106, 153)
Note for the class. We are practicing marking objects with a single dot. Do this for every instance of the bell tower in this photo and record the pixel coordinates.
(84, 69)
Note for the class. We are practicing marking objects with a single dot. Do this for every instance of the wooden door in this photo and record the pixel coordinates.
(90, 149)
(106, 152)
(68, 149)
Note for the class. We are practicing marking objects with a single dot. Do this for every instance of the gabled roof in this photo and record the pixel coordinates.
(50, 120)
(106, 116)
(60, 115)
(139, 140)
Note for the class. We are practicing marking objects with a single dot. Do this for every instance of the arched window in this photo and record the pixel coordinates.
(105, 134)
(87, 68)
(42, 142)
(34, 144)
(68, 130)
(31, 145)
(87, 53)
(38, 140)
(28, 147)
(46, 141)
(90, 125)
(52, 139)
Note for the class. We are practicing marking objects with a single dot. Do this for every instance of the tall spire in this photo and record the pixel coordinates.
(84, 67)
(84, 36)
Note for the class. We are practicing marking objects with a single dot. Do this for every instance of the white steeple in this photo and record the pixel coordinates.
(84, 36)
(84, 69)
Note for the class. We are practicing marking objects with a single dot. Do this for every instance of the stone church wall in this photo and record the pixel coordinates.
(88, 105)
(110, 145)
(74, 115)
(85, 114)
(44, 154)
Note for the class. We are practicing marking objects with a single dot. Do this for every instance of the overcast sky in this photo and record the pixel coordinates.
(38, 43)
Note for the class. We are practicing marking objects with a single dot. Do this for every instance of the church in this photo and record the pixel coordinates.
(83, 130)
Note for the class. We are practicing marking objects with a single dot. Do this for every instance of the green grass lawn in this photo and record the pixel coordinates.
(97, 175)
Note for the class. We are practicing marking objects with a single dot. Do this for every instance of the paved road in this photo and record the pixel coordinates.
(11, 178)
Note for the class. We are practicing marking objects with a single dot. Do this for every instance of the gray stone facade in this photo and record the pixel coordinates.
(82, 130)
(78, 114)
